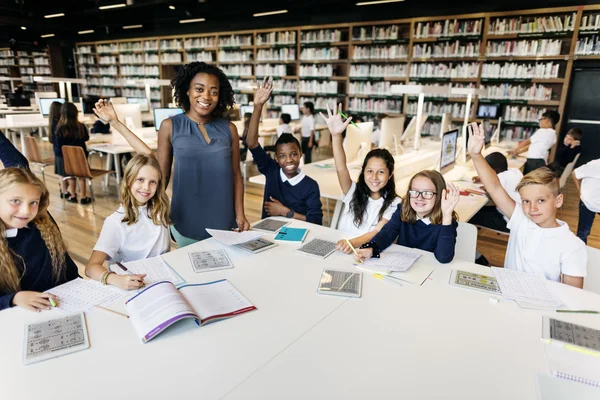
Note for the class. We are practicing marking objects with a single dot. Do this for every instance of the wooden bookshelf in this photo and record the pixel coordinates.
(332, 62)
(26, 65)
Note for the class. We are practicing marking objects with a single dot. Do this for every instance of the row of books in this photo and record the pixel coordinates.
(541, 47)
(320, 102)
(455, 49)
(380, 52)
(278, 100)
(282, 54)
(272, 70)
(522, 113)
(590, 22)
(35, 71)
(317, 70)
(318, 86)
(242, 84)
(237, 70)
(288, 37)
(367, 88)
(378, 71)
(448, 28)
(513, 70)
(241, 98)
(589, 45)
(171, 58)
(313, 53)
(321, 36)
(235, 40)
(555, 23)
(241, 56)
(457, 110)
(375, 106)
(376, 33)
(516, 133)
(118, 81)
(200, 43)
(142, 70)
(517, 92)
(445, 88)
(441, 70)
(206, 56)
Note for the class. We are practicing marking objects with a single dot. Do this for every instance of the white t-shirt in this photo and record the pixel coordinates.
(376, 137)
(370, 218)
(541, 142)
(284, 128)
(544, 251)
(308, 125)
(509, 180)
(590, 184)
(122, 242)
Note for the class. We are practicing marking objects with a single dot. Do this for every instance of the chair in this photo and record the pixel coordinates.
(76, 166)
(567, 173)
(391, 131)
(34, 156)
(591, 283)
(355, 136)
(466, 242)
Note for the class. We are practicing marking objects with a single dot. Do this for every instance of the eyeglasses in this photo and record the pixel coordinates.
(426, 195)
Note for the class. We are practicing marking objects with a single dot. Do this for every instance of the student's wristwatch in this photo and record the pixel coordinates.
(290, 214)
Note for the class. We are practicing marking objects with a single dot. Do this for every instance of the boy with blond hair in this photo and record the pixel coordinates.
(538, 242)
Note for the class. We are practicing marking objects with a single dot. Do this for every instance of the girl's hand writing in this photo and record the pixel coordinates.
(334, 121)
(33, 301)
(127, 282)
(363, 254)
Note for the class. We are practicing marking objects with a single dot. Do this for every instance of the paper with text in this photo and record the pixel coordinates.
(155, 268)
(528, 290)
(83, 294)
(231, 238)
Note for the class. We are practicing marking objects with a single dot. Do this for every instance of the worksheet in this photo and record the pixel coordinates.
(83, 294)
(155, 268)
(211, 260)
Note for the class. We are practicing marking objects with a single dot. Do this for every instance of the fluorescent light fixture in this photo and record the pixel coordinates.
(48, 35)
(54, 15)
(371, 3)
(24, 28)
(112, 6)
(172, 7)
(132, 26)
(85, 32)
(189, 21)
(264, 14)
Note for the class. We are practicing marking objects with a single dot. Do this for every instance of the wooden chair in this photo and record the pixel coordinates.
(76, 166)
(34, 156)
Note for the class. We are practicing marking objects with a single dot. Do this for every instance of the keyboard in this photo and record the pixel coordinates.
(318, 248)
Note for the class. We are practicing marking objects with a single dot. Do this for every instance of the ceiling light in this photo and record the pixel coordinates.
(24, 28)
(370, 3)
(85, 32)
(263, 14)
(132, 26)
(189, 21)
(112, 6)
(172, 7)
(54, 15)
(48, 35)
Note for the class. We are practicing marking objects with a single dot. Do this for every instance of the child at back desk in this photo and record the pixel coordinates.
(284, 127)
(540, 142)
(567, 153)
(288, 191)
(538, 242)
(587, 180)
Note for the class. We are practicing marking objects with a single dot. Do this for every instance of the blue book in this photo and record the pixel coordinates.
(287, 234)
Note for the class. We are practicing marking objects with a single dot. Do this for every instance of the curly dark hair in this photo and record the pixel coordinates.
(181, 85)
(360, 199)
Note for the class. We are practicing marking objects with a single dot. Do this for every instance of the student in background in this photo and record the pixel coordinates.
(70, 132)
(33, 255)
(53, 118)
(587, 180)
(288, 191)
(208, 190)
(308, 131)
(284, 125)
(540, 143)
(424, 220)
(538, 242)
(139, 229)
(101, 127)
(370, 202)
(376, 136)
(567, 153)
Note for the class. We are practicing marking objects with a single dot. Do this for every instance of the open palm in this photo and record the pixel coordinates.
(334, 121)
(105, 110)
(476, 138)
(262, 94)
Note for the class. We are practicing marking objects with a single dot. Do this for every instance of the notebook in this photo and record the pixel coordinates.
(388, 262)
(256, 246)
(270, 225)
(573, 365)
(317, 248)
(340, 283)
(159, 306)
(293, 235)
(155, 268)
(55, 338)
(210, 260)
(553, 388)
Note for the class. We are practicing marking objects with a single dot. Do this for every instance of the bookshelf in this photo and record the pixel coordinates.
(26, 64)
(523, 59)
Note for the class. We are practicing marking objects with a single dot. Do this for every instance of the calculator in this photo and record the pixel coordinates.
(318, 248)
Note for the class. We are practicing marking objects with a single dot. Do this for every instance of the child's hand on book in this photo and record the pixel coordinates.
(33, 301)
(127, 282)
(334, 121)
(476, 138)
(262, 94)
(363, 254)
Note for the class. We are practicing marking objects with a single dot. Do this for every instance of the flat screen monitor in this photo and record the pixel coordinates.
(142, 101)
(161, 114)
(46, 103)
(89, 102)
(17, 100)
(488, 110)
(292, 109)
(448, 152)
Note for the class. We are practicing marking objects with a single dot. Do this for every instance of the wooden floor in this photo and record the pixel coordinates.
(80, 227)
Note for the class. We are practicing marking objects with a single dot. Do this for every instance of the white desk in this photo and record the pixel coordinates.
(23, 128)
(425, 341)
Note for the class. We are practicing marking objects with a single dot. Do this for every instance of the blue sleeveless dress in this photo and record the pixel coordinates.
(202, 178)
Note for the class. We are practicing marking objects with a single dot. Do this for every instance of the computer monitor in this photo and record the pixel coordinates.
(89, 102)
(44, 95)
(142, 101)
(161, 114)
(17, 100)
(488, 110)
(46, 103)
(448, 150)
(130, 114)
(292, 109)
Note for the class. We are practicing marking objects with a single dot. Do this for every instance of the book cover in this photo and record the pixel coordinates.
(287, 234)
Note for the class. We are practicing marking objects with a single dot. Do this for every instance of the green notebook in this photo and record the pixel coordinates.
(295, 235)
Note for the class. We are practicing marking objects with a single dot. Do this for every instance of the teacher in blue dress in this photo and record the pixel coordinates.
(208, 190)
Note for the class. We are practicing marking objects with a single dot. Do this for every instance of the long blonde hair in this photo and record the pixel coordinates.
(10, 277)
(158, 205)
(436, 216)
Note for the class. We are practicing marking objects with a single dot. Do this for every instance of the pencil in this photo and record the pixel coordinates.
(345, 116)
(353, 249)
(579, 311)
(112, 312)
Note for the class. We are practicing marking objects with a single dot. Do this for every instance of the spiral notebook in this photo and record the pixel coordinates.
(573, 365)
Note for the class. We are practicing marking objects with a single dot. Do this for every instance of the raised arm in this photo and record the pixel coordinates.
(488, 176)
(10, 156)
(105, 111)
(165, 149)
(261, 95)
(336, 128)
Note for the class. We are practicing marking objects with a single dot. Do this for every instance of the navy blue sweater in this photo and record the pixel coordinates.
(29, 244)
(304, 198)
(60, 140)
(439, 239)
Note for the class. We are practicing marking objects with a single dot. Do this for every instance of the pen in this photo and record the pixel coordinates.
(345, 116)
(579, 311)
(387, 279)
(353, 249)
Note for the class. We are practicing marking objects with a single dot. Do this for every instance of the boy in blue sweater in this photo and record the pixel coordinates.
(288, 191)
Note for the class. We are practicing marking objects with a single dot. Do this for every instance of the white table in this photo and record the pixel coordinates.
(425, 341)
(23, 128)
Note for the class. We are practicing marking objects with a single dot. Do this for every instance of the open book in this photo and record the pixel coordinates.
(158, 306)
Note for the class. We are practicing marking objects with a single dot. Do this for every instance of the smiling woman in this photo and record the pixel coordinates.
(208, 190)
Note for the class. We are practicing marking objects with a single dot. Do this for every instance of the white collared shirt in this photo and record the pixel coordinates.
(293, 181)
(590, 184)
(284, 128)
(426, 220)
(10, 233)
(541, 142)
